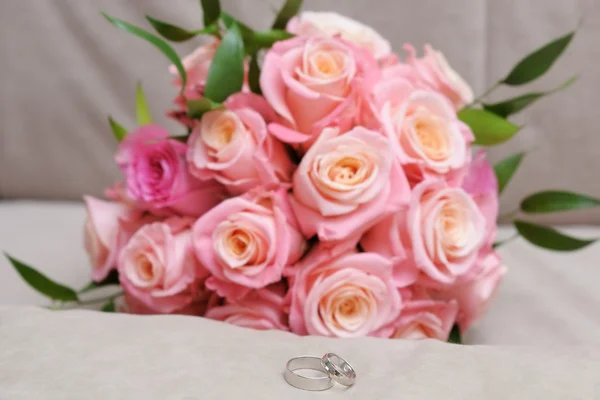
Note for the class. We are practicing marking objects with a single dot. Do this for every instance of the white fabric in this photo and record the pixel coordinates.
(547, 298)
(64, 68)
(83, 355)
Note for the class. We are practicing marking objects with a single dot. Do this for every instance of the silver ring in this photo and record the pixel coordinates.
(339, 369)
(323, 382)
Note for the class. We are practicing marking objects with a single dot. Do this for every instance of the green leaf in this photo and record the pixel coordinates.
(111, 279)
(488, 128)
(553, 201)
(211, 10)
(177, 34)
(537, 63)
(117, 129)
(226, 73)
(156, 41)
(41, 283)
(141, 107)
(287, 12)
(245, 30)
(266, 39)
(197, 108)
(109, 306)
(254, 74)
(506, 168)
(455, 336)
(517, 104)
(550, 238)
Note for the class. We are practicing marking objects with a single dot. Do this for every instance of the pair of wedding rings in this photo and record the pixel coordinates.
(329, 369)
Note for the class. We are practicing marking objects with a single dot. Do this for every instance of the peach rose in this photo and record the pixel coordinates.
(311, 23)
(434, 71)
(426, 135)
(196, 65)
(246, 242)
(158, 268)
(446, 230)
(341, 293)
(262, 309)
(344, 184)
(108, 226)
(474, 293)
(233, 146)
(426, 319)
(315, 82)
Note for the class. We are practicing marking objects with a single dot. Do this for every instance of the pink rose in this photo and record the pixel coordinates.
(344, 184)
(262, 309)
(246, 242)
(426, 319)
(341, 293)
(311, 23)
(315, 82)
(474, 293)
(426, 135)
(233, 146)
(446, 230)
(481, 183)
(108, 226)
(434, 71)
(157, 177)
(158, 268)
(196, 65)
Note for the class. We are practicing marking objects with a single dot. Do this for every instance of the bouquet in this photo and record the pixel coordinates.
(320, 183)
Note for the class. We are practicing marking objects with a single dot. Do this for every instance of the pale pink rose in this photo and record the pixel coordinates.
(108, 226)
(311, 23)
(434, 71)
(233, 146)
(203, 301)
(196, 65)
(315, 82)
(341, 293)
(474, 293)
(158, 268)
(262, 309)
(427, 137)
(426, 319)
(446, 230)
(246, 242)
(389, 238)
(345, 184)
(157, 177)
(481, 183)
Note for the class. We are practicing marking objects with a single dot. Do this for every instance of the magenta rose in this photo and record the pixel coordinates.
(246, 242)
(159, 270)
(156, 174)
(315, 82)
(108, 226)
(474, 292)
(233, 146)
(481, 183)
(424, 131)
(262, 309)
(426, 319)
(446, 230)
(344, 184)
(341, 293)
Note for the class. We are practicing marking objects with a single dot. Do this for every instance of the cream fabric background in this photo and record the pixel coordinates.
(64, 68)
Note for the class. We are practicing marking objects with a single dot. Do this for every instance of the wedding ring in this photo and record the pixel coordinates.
(321, 382)
(338, 369)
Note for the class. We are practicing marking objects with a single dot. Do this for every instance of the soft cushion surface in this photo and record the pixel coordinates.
(85, 355)
(547, 298)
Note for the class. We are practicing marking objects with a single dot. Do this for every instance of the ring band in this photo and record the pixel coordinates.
(307, 382)
(338, 369)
